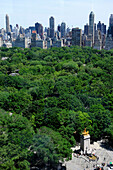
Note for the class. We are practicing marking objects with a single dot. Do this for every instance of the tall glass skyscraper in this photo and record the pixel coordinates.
(111, 20)
(52, 27)
(63, 29)
(91, 25)
(39, 29)
(7, 24)
(110, 29)
(86, 29)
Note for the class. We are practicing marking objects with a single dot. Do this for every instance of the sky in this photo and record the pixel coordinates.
(75, 13)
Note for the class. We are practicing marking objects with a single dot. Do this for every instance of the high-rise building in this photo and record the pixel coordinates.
(59, 28)
(98, 40)
(48, 32)
(110, 29)
(91, 25)
(99, 26)
(21, 31)
(7, 24)
(63, 30)
(45, 30)
(76, 36)
(17, 26)
(32, 28)
(109, 43)
(20, 42)
(52, 27)
(103, 28)
(39, 29)
(111, 20)
(86, 29)
(11, 28)
(67, 30)
(95, 28)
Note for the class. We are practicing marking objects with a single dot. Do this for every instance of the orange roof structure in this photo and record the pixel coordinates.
(33, 32)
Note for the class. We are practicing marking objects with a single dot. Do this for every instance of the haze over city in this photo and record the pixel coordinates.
(74, 13)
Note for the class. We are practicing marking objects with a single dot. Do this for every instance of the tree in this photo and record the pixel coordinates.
(109, 133)
(62, 146)
(43, 151)
(101, 119)
(16, 136)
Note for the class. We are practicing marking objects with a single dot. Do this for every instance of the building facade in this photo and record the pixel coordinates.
(52, 27)
(91, 25)
(111, 20)
(39, 29)
(99, 26)
(86, 29)
(76, 36)
(63, 30)
(103, 28)
(7, 24)
(110, 29)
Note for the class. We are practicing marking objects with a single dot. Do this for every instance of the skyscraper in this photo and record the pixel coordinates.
(21, 31)
(39, 29)
(48, 32)
(52, 27)
(99, 26)
(32, 28)
(76, 36)
(59, 28)
(91, 25)
(103, 28)
(110, 29)
(86, 29)
(98, 40)
(7, 24)
(95, 28)
(111, 20)
(11, 28)
(63, 29)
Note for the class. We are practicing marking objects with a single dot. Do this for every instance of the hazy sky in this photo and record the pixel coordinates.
(74, 12)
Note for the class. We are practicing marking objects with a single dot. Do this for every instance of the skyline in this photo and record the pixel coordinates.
(75, 14)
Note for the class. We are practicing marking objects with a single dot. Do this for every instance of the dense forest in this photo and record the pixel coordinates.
(47, 98)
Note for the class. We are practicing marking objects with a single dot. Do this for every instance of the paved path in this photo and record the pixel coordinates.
(81, 163)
